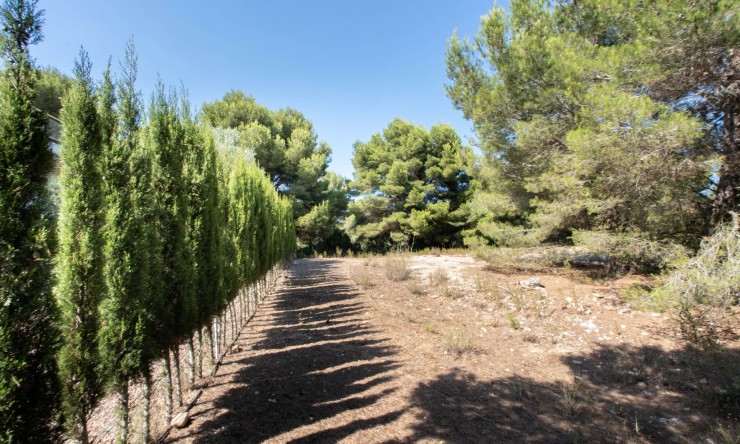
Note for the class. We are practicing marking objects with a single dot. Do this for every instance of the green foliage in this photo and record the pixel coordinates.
(132, 308)
(706, 289)
(414, 185)
(625, 252)
(285, 145)
(166, 144)
(203, 236)
(80, 283)
(51, 88)
(568, 143)
(29, 391)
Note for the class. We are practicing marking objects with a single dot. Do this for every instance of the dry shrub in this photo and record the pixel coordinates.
(415, 288)
(396, 269)
(362, 277)
(439, 277)
(459, 341)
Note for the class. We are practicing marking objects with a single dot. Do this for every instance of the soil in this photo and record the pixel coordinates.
(447, 349)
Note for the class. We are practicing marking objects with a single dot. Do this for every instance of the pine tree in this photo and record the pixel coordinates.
(80, 279)
(29, 391)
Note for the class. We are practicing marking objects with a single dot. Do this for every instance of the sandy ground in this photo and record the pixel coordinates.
(458, 352)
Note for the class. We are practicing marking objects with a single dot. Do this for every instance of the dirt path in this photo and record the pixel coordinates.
(326, 361)
(310, 367)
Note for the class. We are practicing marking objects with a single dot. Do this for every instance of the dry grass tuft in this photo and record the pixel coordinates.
(396, 269)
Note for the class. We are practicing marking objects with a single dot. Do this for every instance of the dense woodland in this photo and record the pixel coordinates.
(610, 125)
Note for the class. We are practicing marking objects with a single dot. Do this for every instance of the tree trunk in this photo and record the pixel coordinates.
(191, 364)
(224, 330)
(726, 198)
(178, 376)
(82, 429)
(122, 401)
(249, 300)
(212, 344)
(232, 310)
(168, 391)
(216, 338)
(200, 353)
(146, 432)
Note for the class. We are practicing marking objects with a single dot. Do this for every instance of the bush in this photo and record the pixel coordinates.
(707, 288)
(396, 269)
(629, 251)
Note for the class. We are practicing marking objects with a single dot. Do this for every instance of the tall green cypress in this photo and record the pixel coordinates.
(166, 144)
(28, 341)
(80, 281)
(201, 169)
(127, 334)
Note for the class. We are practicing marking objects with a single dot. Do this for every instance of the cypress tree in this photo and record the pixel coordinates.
(203, 237)
(166, 143)
(128, 312)
(80, 280)
(29, 390)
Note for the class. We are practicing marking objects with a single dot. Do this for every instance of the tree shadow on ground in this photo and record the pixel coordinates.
(618, 394)
(315, 358)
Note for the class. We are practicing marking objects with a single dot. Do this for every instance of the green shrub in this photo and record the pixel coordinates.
(706, 289)
(629, 251)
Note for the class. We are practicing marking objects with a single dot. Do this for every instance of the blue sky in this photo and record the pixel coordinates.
(349, 66)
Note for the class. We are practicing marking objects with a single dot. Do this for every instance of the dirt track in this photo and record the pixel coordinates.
(324, 361)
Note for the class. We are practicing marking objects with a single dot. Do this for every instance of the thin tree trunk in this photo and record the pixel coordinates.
(122, 401)
(82, 429)
(232, 310)
(178, 376)
(145, 434)
(212, 343)
(224, 330)
(216, 338)
(242, 308)
(249, 301)
(191, 364)
(726, 197)
(168, 392)
(200, 353)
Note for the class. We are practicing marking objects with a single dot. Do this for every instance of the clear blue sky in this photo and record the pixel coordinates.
(349, 66)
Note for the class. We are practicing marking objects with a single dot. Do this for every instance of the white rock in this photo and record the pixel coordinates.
(531, 283)
(180, 421)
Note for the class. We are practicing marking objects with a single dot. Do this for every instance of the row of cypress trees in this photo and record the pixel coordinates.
(159, 233)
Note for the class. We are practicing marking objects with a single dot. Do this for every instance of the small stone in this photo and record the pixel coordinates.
(672, 421)
(577, 362)
(641, 384)
(531, 283)
(181, 421)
